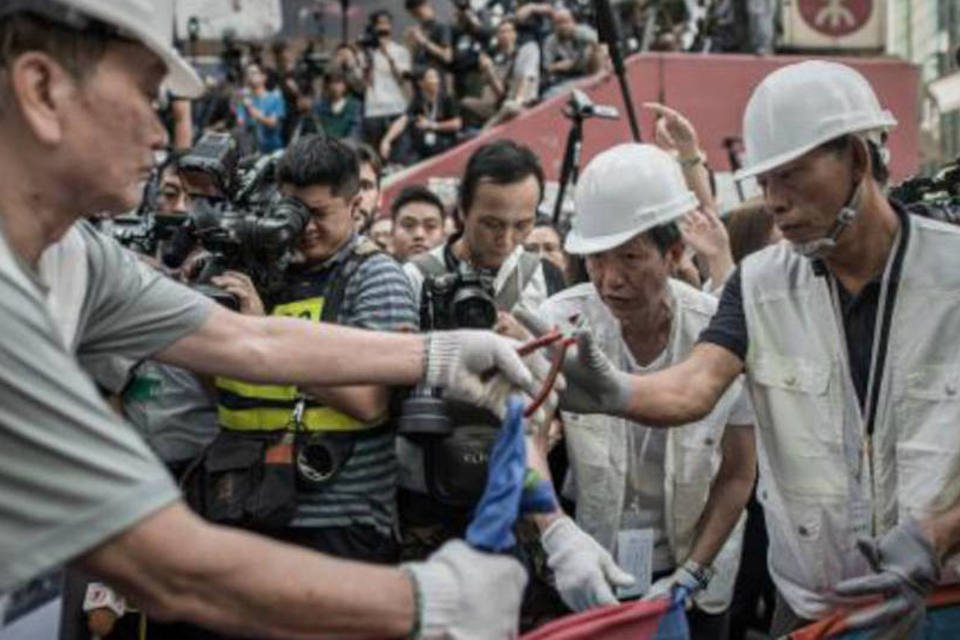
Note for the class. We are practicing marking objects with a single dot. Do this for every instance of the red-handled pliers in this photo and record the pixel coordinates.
(548, 339)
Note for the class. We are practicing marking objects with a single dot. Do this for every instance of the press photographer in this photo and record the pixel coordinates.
(473, 280)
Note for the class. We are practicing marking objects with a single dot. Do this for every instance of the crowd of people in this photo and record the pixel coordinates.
(220, 447)
(415, 94)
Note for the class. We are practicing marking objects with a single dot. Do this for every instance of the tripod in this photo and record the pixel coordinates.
(578, 109)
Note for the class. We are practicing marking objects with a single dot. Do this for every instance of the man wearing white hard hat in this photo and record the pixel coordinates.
(668, 504)
(849, 334)
(78, 132)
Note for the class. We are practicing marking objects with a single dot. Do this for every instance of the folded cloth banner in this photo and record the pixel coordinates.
(941, 622)
(511, 488)
(658, 619)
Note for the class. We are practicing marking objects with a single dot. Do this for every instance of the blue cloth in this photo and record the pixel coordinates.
(510, 488)
(269, 104)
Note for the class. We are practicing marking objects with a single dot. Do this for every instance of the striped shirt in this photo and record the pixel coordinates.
(378, 297)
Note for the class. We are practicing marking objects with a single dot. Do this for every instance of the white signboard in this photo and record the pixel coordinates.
(243, 19)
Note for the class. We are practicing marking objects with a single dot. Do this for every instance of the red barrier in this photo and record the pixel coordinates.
(712, 90)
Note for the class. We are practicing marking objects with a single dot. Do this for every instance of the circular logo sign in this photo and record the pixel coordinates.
(836, 18)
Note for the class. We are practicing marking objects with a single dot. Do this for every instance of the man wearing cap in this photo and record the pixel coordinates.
(849, 334)
(78, 131)
(667, 503)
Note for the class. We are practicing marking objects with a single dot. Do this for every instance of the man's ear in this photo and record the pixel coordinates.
(41, 90)
(862, 162)
(675, 254)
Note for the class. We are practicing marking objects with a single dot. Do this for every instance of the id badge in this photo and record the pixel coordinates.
(635, 556)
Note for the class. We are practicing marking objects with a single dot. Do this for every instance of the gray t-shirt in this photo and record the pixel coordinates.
(72, 474)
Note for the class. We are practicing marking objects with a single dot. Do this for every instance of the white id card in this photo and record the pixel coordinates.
(635, 556)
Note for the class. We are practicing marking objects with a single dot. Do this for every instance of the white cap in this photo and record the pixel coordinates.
(801, 106)
(149, 22)
(624, 191)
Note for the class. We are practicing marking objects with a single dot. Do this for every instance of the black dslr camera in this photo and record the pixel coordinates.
(455, 437)
(457, 301)
(239, 217)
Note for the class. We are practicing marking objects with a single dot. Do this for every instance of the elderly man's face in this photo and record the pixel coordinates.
(110, 130)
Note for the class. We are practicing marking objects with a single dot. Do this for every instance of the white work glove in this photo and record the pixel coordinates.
(594, 385)
(482, 368)
(907, 569)
(681, 585)
(463, 594)
(585, 572)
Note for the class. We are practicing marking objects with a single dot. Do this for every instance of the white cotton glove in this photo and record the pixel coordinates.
(594, 385)
(463, 594)
(691, 578)
(585, 572)
(481, 368)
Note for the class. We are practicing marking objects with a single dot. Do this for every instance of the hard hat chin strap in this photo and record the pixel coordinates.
(822, 246)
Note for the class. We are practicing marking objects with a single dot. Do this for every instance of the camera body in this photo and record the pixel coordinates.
(457, 301)
(456, 438)
(239, 217)
(369, 39)
(936, 197)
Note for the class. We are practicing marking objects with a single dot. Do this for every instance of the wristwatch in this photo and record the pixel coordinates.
(692, 161)
(702, 574)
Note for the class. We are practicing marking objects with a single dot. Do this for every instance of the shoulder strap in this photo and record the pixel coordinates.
(429, 265)
(363, 250)
(509, 295)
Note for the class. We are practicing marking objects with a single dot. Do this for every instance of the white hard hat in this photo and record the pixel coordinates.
(149, 22)
(624, 191)
(801, 106)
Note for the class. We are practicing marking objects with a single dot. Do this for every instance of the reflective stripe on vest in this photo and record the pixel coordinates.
(245, 406)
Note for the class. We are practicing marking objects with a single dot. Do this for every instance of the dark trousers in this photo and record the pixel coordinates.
(785, 619)
(708, 626)
(754, 593)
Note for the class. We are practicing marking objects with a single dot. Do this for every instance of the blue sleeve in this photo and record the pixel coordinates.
(277, 106)
(356, 118)
(728, 327)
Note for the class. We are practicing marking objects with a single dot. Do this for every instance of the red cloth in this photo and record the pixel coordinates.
(836, 624)
(638, 620)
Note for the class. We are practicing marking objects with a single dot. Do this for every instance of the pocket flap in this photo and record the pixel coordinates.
(226, 454)
(934, 382)
(790, 373)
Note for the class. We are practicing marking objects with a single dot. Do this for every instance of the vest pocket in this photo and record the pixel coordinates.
(800, 424)
(796, 530)
(928, 478)
(930, 406)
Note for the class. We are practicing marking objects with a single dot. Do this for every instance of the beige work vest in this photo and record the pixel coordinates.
(823, 480)
(598, 446)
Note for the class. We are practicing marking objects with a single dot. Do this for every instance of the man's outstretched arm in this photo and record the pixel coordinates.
(290, 351)
(685, 392)
(178, 567)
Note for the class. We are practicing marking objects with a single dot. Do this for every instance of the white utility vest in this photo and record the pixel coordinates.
(823, 480)
(598, 446)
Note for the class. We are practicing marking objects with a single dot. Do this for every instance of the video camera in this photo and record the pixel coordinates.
(239, 217)
(936, 197)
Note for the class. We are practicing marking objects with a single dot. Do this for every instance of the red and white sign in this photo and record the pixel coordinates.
(836, 18)
(834, 25)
